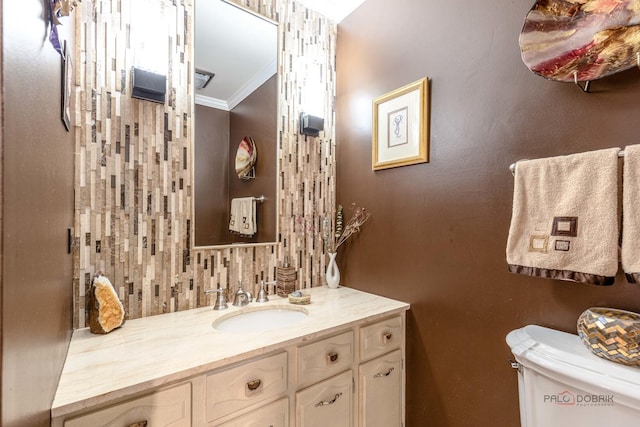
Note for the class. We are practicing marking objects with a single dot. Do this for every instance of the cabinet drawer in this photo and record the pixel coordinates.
(236, 388)
(170, 408)
(274, 414)
(380, 397)
(328, 403)
(324, 358)
(381, 337)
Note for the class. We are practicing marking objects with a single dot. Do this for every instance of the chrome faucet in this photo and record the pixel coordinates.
(242, 298)
(221, 301)
(262, 295)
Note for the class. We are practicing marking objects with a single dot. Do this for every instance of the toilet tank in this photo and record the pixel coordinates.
(562, 384)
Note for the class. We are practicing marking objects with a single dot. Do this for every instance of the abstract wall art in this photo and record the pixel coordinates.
(581, 40)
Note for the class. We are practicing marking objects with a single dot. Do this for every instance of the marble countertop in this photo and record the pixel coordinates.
(153, 351)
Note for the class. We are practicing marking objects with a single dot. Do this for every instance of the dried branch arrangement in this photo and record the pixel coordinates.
(335, 233)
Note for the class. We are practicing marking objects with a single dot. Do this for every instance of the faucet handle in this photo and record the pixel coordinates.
(221, 301)
(262, 294)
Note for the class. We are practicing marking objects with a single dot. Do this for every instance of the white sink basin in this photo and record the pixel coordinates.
(260, 319)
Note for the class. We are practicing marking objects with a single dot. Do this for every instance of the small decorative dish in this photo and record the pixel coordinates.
(299, 298)
(611, 334)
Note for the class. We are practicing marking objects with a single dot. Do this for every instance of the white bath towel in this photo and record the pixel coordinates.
(243, 216)
(564, 223)
(631, 214)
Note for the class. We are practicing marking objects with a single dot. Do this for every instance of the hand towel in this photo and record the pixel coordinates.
(564, 223)
(631, 214)
(243, 216)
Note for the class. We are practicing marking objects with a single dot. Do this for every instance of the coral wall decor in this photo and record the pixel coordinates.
(581, 40)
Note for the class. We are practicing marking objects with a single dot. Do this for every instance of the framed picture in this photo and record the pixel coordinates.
(67, 70)
(401, 126)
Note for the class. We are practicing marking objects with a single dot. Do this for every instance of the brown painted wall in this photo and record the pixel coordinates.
(211, 145)
(256, 117)
(37, 209)
(438, 233)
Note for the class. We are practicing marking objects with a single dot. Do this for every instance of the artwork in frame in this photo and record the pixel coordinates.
(401, 126)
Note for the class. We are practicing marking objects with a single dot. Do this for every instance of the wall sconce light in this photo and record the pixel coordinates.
(311, 125)
(149, 32)
(148, 85)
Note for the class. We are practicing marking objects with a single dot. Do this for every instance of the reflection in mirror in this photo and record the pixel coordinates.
(237, 50)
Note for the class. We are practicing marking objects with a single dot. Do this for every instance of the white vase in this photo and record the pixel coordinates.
(333, 274)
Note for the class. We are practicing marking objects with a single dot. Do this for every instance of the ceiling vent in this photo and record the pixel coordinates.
(202, 79)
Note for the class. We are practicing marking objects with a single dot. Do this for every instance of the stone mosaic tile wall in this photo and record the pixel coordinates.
(133, 186)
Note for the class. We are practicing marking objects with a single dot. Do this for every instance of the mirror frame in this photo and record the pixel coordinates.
(279, 129)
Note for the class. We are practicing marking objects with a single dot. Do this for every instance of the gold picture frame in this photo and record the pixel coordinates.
(400, 134)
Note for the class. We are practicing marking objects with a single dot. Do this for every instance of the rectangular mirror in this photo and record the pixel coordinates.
(236, 95)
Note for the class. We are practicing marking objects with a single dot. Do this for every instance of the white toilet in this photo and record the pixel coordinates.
(562, 384)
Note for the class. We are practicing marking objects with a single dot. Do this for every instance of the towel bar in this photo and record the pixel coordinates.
(512, 166)
(258, 199)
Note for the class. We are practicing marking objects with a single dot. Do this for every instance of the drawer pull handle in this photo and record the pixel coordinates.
(386, 337)
(385, 374)
(139, 424)
(253, 385)
(328, 402)
(332, 357)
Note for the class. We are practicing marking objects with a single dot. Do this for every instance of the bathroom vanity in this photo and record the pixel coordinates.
(342, 365)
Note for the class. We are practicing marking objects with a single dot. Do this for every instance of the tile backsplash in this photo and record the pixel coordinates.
(133, 177)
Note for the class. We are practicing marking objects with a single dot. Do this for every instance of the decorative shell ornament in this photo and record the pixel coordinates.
(246, 157)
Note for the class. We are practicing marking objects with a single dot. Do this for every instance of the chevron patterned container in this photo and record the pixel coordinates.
(611, 334)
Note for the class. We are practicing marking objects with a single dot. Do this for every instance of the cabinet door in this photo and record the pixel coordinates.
(168, 408)
(380, 381)
(326, 404)
(274, 414)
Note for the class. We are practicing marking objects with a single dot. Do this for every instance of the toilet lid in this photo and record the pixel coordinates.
(564, 357)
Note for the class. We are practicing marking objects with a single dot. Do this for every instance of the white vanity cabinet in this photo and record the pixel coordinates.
(350, 377)
(342, 367)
